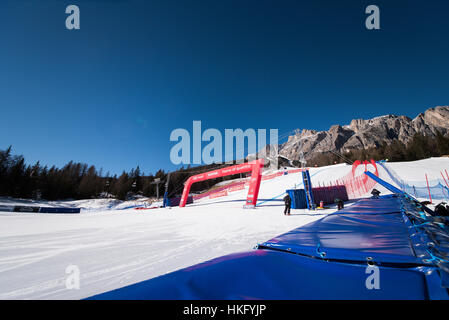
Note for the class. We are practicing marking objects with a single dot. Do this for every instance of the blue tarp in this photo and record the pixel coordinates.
(266, 274)
(326, 259)
(370, 229)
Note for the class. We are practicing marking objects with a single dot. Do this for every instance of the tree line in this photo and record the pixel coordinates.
(81, 181)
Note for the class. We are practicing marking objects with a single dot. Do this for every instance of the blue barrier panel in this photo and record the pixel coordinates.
(26, 209)
(45, 209)
(6, 208)
(59, 210)
(298, 196)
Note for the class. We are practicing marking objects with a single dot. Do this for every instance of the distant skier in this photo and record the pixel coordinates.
(288, 204)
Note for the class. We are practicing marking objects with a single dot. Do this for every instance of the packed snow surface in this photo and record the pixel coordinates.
(114, 245)
(117, 248)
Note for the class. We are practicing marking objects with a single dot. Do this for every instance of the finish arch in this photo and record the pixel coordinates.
(256, 176)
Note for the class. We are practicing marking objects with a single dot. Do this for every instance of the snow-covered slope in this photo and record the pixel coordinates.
(113, 248)
(85, 205)
(116, 248)
(417, 170)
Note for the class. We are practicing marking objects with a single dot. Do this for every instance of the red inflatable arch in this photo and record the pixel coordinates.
(256, 176)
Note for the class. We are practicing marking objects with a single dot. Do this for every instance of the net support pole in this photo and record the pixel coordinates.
(428, 188)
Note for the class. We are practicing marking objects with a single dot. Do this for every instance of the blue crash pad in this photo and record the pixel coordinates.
(266, 274)
(373, 229)
(382, 206)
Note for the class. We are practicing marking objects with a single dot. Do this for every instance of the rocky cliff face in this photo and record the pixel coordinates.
(361, 133)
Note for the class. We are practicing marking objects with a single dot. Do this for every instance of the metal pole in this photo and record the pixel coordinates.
(444, 179)
(428, 188)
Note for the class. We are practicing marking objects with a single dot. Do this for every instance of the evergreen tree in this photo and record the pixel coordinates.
(90, 184)
(122, 186)
(442, 143)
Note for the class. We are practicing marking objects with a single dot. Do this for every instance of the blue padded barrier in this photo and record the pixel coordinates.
(370, 229)
(383, 183)
(266, 274)
(326, 259)
(298, 197)
(59, 210)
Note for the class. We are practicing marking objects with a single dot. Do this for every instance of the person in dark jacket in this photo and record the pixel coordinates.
(375, 193)
(288, 204)
(340, 203)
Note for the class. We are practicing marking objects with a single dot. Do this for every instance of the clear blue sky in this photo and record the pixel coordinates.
(111, 93)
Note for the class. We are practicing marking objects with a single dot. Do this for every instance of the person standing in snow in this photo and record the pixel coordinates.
(339, 203)
(288, 204)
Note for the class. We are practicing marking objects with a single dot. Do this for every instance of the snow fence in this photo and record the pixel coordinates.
(420, 189)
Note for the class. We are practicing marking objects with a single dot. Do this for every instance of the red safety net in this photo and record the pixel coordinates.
(358, 185)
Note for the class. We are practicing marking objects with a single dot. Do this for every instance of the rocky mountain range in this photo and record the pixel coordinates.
(360, 134)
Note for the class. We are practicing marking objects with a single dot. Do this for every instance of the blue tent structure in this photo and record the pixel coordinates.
(331, 258)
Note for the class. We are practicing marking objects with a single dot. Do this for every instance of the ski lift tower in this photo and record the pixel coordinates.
(164, 202)
(157, 181)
